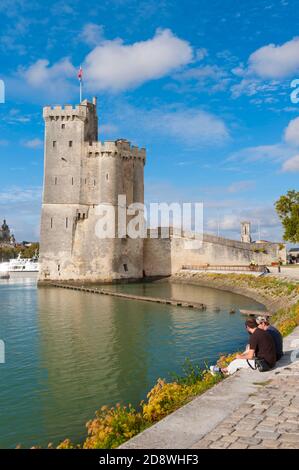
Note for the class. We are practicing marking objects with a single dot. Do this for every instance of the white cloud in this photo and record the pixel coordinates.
(194, 126)
(201, 53)
(226, 222)
(191, 126)
(33, 143)
(291, 133)
(16, 194)
(43, 82)
(92, 34)
(275, 152)
(116, 66)
(239, 186)
(292, 164)
(41, 74)
(275, 61)
(251, 86)
(266, 68)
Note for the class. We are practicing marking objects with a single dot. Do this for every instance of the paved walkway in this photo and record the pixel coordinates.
(247, 410)
(267, 419)
(287, 272)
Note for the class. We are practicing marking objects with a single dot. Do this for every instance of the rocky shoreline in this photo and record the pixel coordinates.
(238, 284)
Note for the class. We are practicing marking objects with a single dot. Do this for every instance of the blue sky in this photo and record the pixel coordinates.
(205, 86)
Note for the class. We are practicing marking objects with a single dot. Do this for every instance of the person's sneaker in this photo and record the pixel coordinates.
(215, 370)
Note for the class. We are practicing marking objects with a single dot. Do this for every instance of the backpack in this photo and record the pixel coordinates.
(260, 364)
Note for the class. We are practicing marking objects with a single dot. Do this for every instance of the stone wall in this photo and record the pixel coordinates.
(167, 256)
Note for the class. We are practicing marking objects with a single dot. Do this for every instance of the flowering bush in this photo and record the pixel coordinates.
(113, 426)
(287, 319)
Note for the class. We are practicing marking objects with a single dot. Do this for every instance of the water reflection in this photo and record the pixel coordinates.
(71, 352)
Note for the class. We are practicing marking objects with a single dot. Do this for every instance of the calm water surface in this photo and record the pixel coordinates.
(68, 353)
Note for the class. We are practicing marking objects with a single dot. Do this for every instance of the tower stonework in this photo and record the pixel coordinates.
(80, 174)
(245, 232)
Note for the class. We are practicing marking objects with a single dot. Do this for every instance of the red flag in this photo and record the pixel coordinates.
(80, 73)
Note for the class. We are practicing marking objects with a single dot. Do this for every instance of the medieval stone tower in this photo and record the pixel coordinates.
(81, 173)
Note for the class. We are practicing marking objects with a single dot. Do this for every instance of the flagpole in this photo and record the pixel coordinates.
(80, 76)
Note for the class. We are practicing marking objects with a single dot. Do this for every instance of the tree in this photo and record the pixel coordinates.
(287, 208)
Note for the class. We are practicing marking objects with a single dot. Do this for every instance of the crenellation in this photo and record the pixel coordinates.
(112, 149)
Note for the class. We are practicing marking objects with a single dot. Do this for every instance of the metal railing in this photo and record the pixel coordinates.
(223, 267)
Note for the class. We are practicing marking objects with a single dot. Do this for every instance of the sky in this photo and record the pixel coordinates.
(205, 86)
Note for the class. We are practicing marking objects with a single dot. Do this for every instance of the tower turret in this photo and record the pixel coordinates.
(245, 232)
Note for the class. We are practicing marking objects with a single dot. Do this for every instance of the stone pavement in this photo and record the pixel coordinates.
(269, 418)
(287, 272)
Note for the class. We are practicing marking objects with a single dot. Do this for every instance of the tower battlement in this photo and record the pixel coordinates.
(118, 149)
(68, 111)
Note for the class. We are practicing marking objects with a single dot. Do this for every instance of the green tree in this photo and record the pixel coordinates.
(287, 208)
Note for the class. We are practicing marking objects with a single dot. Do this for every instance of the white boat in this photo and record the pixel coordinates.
(4, 274)
(20, 265)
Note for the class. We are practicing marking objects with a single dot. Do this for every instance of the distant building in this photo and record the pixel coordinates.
(6, 237)
(293, 255)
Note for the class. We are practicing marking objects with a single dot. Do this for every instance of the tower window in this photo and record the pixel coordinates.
(62, 126)
(54, 143)
(72, 181)
(55, 181)
(51, 222)
(66, 222)
(70, 143)
(107, 176)
(126, 267)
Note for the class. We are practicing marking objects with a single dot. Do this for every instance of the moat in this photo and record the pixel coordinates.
(68, 353)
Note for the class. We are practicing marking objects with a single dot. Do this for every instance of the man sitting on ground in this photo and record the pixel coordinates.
(261, 346)
(263, 324)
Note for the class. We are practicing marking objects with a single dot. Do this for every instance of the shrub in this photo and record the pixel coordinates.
(113, 426)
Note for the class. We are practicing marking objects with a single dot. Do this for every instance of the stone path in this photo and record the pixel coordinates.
(269, 418)
(288, 273)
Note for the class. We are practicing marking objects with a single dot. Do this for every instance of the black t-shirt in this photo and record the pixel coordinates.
(264, 347)
(277, 340)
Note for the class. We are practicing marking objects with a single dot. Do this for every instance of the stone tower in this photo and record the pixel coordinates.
(245, 232)
(80, 174)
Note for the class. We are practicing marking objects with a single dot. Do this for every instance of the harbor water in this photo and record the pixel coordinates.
(67, 353)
